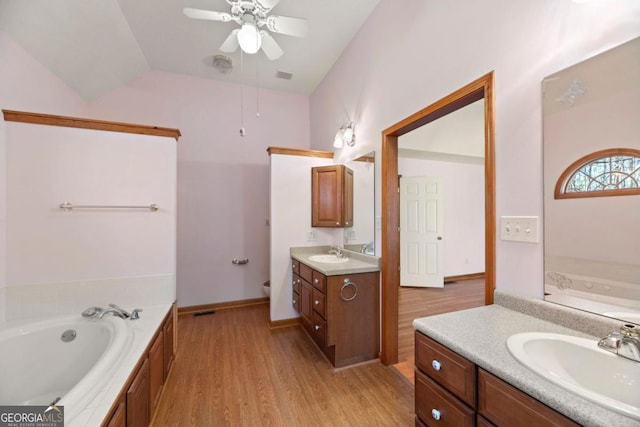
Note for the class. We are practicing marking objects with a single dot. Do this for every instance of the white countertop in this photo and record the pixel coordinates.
(357, 262)
(480, 335)
(143, 331)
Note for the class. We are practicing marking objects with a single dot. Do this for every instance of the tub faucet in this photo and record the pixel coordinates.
(114, 310)
(625, 343)
(337, 250)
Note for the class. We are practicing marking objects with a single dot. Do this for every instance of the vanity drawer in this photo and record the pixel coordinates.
(306, 272)
(318, 303)
(319, 281)
(296, 282)
(295, 266)
(319, 330)
(296, 301)
(504, 405)
(436, 406)
(449, 369)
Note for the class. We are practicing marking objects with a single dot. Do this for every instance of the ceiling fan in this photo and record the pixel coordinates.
(253, 15)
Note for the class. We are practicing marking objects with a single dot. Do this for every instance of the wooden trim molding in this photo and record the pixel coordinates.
(300, 152)
(284, 323)
(192, 309)
(463, 277)
(559, 191)
(77, 122)
(482, 88)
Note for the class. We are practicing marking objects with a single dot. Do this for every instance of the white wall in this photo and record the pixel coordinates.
(223, 179)
(385, 76)
(463, 187)
(28, 86)
(290, 191)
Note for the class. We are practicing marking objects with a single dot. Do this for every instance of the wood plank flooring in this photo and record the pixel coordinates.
(232, 370)
(422, 302)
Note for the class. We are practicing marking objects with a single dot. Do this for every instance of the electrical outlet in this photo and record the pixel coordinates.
(519, 228)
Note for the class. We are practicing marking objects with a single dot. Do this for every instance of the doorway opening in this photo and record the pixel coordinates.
(482, 88)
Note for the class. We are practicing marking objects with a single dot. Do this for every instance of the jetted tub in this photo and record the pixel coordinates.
(40, 363)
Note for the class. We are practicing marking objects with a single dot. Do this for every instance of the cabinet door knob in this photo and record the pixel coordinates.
(435, 414)
(315, 281)
(435, 365)
(337, 223)
(317, 328)
(316, 302)
(294, 301)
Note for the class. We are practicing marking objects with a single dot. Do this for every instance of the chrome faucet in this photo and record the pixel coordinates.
(337, 250)
(98, 312)
(625, 343)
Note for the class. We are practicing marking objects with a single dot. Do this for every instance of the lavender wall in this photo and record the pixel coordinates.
(223, 179)
(395, 67)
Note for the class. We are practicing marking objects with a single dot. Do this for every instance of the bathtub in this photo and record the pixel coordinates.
(38, 366)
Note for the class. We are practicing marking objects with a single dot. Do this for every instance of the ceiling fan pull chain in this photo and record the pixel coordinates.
(242, 130)
(257, 88)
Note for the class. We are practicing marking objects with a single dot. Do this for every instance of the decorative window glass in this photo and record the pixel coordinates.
(613, 172)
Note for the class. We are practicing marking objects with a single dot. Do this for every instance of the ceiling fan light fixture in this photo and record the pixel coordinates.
(249, 38)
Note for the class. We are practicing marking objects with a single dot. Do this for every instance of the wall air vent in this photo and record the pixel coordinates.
(284, 75)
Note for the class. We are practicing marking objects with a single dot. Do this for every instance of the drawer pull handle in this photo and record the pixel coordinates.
(436, 365)
(317, 302)
(315, 281)
(317, 328)
(435, 414)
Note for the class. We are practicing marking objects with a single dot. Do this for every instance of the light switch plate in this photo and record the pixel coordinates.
(519, 229)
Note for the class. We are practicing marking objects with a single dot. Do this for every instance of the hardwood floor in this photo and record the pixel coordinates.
(232, 370)
(422, 302)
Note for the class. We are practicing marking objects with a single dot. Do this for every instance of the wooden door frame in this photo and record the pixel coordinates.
(482, 88)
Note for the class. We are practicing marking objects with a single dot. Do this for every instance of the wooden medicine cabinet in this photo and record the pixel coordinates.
(331, 196)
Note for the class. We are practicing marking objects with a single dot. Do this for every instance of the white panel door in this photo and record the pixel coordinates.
(421, 227)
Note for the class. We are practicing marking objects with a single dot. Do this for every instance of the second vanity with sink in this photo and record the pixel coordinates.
(466, 375)
(338, 299)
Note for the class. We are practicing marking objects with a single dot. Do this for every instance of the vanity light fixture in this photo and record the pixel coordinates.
(345, 135)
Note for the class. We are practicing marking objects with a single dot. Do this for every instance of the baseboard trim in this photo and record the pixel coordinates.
(190, 310)
(463, 277)
(284, 323)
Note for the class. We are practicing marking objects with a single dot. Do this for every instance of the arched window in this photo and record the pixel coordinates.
(612, 172)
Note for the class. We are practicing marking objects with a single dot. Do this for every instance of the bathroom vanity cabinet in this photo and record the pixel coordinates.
(452, 391)
(139, 398)
(340, 313)
(331, 196)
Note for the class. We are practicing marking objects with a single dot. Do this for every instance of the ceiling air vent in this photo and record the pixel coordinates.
(284, 75)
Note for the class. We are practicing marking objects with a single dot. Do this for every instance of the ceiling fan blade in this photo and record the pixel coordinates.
(209, 15)
(297, 27)
(270, 47)
(231, 42)
(266, 5)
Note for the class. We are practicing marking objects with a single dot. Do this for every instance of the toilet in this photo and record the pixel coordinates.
(266, 287)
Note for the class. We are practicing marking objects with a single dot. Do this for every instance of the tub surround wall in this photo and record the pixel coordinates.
(61, 262)
(480, 335)
(57, 299)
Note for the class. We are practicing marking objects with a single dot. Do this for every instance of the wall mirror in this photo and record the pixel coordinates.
(592, 184)
(361, 237)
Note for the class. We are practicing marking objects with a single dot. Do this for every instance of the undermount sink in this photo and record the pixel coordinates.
(579, 366)
(328, 259)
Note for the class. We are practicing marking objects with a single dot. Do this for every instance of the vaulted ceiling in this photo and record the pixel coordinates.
(95, 46)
